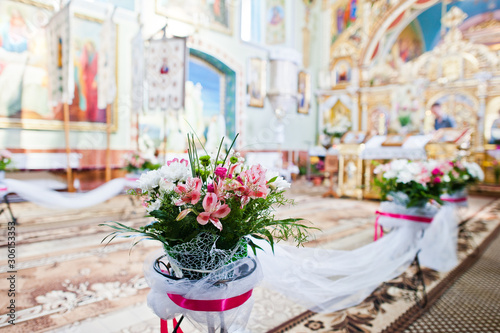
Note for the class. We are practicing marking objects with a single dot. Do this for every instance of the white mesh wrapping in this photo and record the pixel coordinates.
(200, 255)
(204, 289)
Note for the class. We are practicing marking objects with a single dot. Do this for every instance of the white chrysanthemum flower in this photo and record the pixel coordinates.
(414, 168)
(398, 165)
(404, 177)
(390, 174)
(166, 186)
(155, 205)
(279, 183)
(175, 172)
(149, 180)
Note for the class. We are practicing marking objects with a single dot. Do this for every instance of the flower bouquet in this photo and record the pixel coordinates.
(456, 177)
(204, 211)
(410, 186)
(339, 129)
(410, 183)
(137, 162)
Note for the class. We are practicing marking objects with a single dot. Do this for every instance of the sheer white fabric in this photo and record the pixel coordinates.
(60, 200)
(205, 289)
(328, 280)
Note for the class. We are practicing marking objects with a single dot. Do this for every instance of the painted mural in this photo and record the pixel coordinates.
(23, 70)
(23, 59)
(409, 44)
(344, 15)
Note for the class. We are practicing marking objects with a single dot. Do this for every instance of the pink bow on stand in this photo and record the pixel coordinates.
(378, 227)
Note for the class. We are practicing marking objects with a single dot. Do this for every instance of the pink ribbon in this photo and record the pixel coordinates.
(216, 305)
(397, 216)
(164, 326)
(454, 199)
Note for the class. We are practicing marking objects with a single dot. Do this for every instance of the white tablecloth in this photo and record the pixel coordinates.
(413, 148)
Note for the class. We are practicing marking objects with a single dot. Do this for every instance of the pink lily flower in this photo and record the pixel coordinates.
(214, 211)
(189, 192)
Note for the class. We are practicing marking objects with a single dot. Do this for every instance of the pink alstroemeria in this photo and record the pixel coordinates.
(189, 192)
(214, 210)
(176, 160)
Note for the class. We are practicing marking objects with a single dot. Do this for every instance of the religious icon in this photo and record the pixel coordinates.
(342, 72)
(276, 15)
(257, 82)
(164, 67)
(304, 92)
(275, 27)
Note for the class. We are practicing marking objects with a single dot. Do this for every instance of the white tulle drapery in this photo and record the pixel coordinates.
(230, 281)
(61, 200)
(329, 280)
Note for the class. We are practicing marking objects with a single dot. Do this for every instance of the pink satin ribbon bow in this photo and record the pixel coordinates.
(217, 305)
(378, 227)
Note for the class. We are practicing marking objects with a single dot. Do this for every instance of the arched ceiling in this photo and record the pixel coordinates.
(423, 18)
(430, 19)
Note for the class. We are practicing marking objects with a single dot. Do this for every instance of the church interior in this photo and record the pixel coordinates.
(360, 139)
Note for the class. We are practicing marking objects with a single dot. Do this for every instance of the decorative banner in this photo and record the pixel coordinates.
(166, 73)
(137, 71)
(60, 68)
(275, 22)
(106, 85)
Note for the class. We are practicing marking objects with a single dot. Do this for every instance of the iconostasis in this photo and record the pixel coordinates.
(391, 60)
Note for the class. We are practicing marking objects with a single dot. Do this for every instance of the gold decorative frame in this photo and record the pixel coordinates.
(256, 84)
(341, 72)
(304, 91)
(40, 124)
